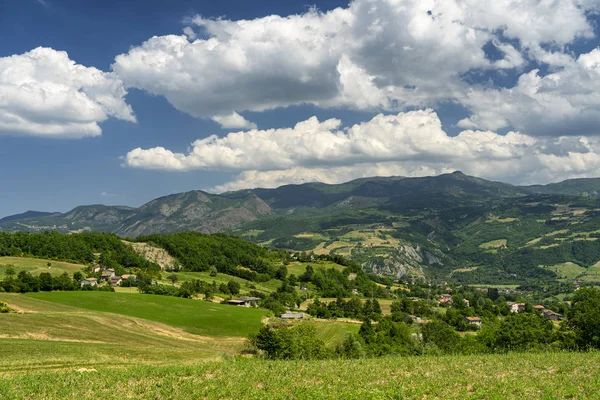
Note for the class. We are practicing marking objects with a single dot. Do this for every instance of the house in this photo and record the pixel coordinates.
(115, 280)
(96, 269)
(244, 301)
(551, 315)
(111, 271)
(446, 299)
(475, 321)
(132, 277)
(291, 315)
(105, 275)
(89, 281)
(466, 302)
(516, 307)
(412, 318)
(539, 308)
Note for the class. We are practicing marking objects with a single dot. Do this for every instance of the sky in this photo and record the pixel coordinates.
(120, 102)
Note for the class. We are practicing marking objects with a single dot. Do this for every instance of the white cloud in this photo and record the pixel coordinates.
(233, 121)
(189, 32)
(560, 103)
(372, 55)
(44, 93)
(411, 143)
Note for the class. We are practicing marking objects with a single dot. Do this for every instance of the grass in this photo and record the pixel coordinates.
(298, 268)
(512, 376)
(47, 335)
(494, 244)
(567, 270)
(36, 266)
(245, 284)
(193, 316)
(386, 304)
(484, 286)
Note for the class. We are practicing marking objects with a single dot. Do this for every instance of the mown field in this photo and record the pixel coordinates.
(36, 266)
(192, 316)
(514, 376)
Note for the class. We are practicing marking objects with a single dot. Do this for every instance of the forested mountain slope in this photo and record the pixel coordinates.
(448, 225)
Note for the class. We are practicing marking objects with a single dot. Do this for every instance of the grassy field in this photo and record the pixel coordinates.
(513, 376)
(38, 265)
(47, 335)
(484, 286)
(567, 270)
(298, 268)
(385, 304)
(266, 287)
(192, 316)
(494, 244)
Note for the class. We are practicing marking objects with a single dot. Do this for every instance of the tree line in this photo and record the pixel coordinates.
(528, 331)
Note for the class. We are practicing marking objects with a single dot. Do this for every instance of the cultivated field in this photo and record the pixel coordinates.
(514, 376)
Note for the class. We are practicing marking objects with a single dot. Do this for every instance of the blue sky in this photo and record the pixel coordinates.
(292, 93)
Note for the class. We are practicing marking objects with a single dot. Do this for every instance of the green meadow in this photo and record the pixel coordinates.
(71, 345)
(193, 316)
(36, 266)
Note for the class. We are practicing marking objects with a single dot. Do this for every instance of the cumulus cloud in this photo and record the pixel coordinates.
(371, 55)
(411, 144)
(560, 103)
(44, 93)
(233, 121)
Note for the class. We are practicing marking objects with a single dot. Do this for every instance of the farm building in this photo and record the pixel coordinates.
(115, 280)
(89, 281)
(244, 301)
(516, 307)
(475, 321)
(551, 315)
(446, 299)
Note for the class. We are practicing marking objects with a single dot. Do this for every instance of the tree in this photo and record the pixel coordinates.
(584, 317)
(46, 282)
(213, 271)
(77, 276)
(10, 272)
(281, 273)
(234, 287)
(173, 278)
(440, 334)
(224, 289)
(351, 347)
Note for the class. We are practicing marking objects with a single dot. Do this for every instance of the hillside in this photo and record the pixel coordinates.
(396, 226)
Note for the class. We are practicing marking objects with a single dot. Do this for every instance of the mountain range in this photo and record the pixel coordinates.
(210, 213)
(392, 225)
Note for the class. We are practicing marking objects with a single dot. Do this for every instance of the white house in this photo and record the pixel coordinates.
(89, 281)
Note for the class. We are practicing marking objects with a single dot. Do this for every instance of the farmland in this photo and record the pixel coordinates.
(197, 317)
(513, 376)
